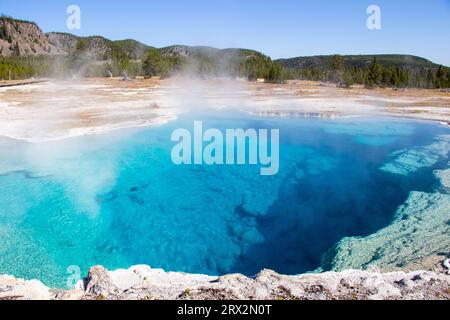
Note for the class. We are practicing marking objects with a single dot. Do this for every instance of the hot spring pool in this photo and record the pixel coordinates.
(118, 200)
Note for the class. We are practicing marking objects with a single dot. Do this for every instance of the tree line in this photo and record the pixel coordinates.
(374, 75)
(243, 63)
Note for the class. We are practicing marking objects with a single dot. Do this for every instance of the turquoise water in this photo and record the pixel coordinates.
(117, 199)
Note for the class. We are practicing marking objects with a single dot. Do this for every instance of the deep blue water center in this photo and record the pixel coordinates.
(118, 200)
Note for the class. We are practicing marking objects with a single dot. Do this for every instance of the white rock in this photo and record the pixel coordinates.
(18, 289)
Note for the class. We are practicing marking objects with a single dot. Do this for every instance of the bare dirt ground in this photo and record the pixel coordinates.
(58, 109)
(411, 103)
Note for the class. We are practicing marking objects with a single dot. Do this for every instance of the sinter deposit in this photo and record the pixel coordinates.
(144, 283)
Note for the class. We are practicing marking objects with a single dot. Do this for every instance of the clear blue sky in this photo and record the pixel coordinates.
(282, 28)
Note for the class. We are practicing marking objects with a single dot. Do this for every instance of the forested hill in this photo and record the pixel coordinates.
(359, 61)
(372, 70)
(97, 46)
(26, 51)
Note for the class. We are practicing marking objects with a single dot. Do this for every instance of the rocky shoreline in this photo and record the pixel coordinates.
(144, 283)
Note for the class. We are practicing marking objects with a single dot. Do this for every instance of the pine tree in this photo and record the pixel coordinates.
(441, 79)
(155, 64)
(337, 68)
(375, 75)
(275, 73)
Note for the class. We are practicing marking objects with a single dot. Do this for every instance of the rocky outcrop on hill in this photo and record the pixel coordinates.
(67, 43)
(23, 38)
(144, 283)
(64, 42)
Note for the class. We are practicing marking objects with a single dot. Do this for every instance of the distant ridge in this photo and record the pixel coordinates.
(25, 38)
(29, 52)
(97, 45)
(322, 62)
(19, 38)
